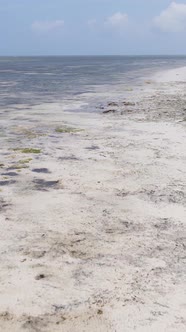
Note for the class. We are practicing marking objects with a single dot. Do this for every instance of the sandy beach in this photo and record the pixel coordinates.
(93, 214)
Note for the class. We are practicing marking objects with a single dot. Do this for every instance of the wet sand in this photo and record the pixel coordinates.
(93, 214)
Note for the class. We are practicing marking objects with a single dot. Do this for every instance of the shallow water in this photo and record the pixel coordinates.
(74, 82)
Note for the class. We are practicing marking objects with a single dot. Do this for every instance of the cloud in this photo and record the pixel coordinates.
(117, 20)
(47, 26)
(172, 19)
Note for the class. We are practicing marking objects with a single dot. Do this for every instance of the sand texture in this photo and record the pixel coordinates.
(93, 214)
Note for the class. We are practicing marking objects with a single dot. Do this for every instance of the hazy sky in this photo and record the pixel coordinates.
(62, 27)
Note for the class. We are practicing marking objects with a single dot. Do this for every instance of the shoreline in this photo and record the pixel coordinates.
(93, 210)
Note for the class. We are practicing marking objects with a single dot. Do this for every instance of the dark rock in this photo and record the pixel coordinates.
(113, 104)
(40, 276)
(41, 170)
(127, 111)
(128, 103)
(58, 307)
(42, 184)
(109, 111)
(93, 147)
(7, 182)
(3, 205)
(68, 158)
(100, 312)
(10, 174)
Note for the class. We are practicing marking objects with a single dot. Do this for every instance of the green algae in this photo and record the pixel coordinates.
(26, 132)
(28, 150)
(64, 130)
(25, 161)
(19, 167)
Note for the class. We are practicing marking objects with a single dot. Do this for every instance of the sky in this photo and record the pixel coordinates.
(92, 27)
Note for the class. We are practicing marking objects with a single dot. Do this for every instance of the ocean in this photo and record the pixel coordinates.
(76, 82)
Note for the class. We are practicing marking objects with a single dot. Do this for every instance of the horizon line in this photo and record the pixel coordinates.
(88, 55)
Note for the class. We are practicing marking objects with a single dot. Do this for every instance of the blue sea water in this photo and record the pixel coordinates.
(82, 80)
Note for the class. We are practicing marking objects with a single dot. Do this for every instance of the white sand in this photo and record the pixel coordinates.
(172, 75)
(107, 241)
